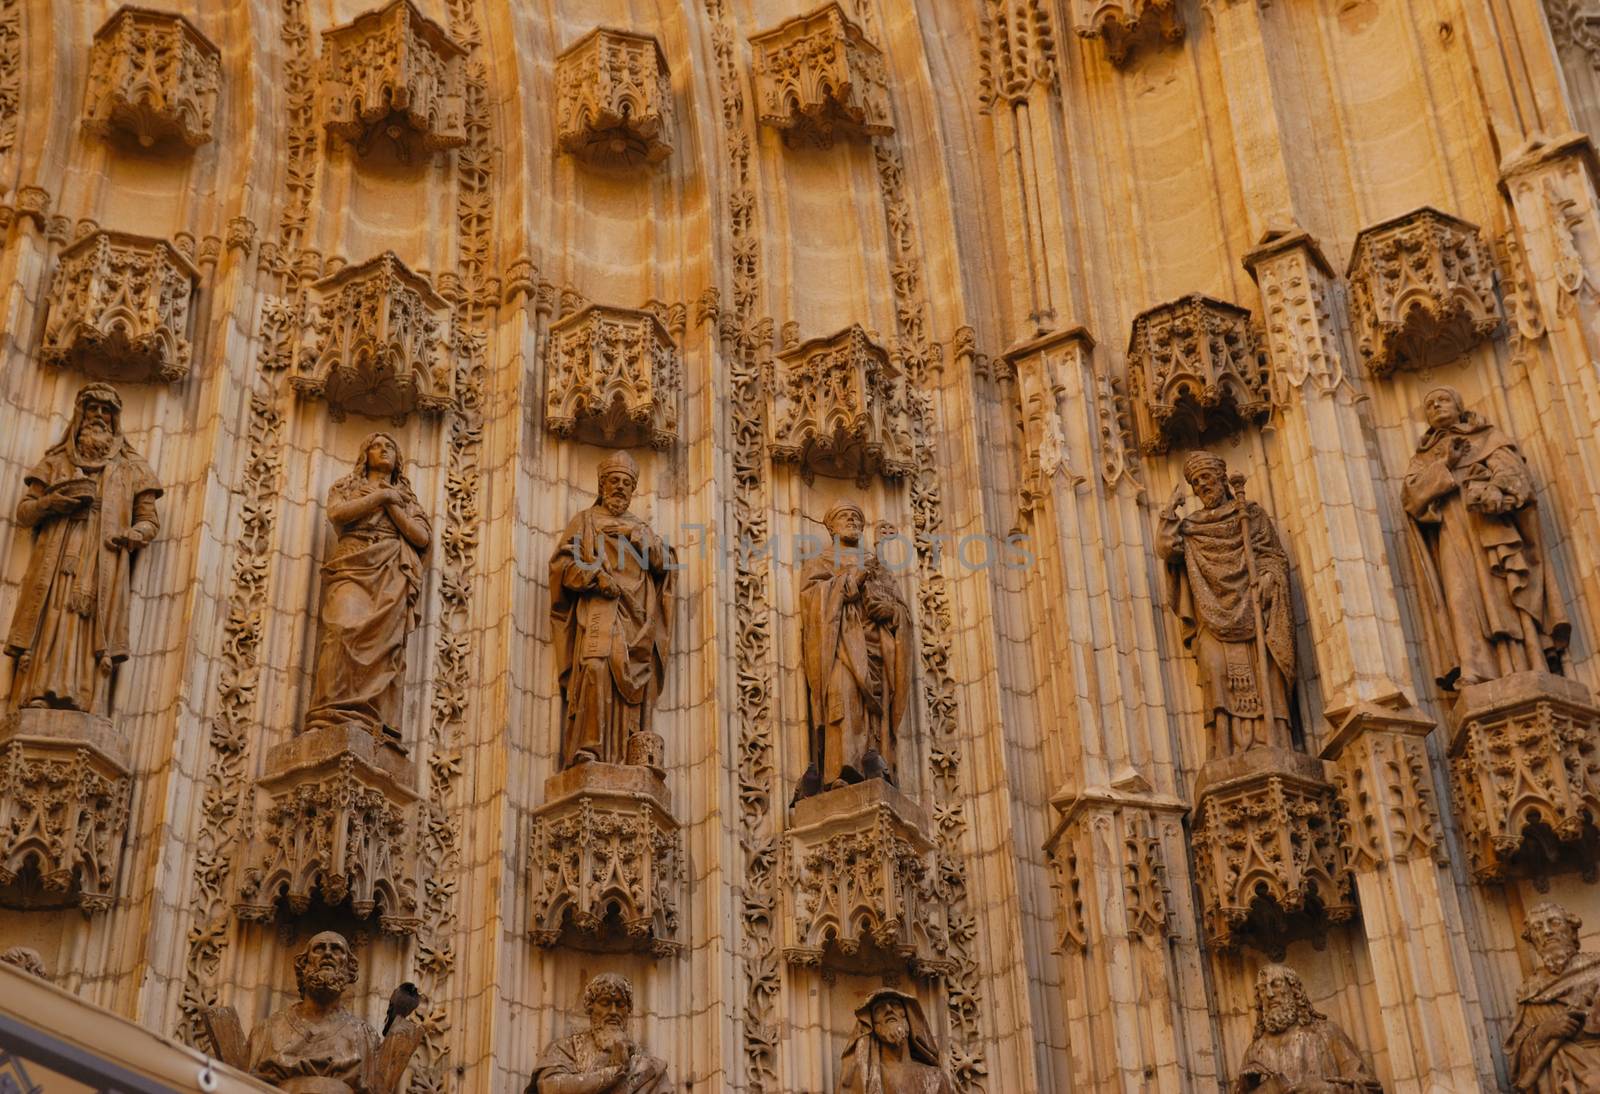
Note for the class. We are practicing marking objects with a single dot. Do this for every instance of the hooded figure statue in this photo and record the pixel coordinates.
(892, 1050)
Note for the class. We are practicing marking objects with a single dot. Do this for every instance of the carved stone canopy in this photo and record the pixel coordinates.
(838, 409)
(1196, 373)
(153, 75)
(395, 73)
(1421, 291)
(1120, 25)
(381, 343)
(612, 377)
(614, 98)
(120, 308)
(817, 78)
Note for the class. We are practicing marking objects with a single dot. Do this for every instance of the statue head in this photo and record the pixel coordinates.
(1281, 1001)
(895, 1020)
(618, 476)
(1442, 407)
(326, 967)
(380, 457)
(96, 421)
(1207, 476)
(1552, 931)
(845, 521)
(609, 1000)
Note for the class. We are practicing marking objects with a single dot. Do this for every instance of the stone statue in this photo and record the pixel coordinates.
(1228, 584)
(610, 620)
(602, 1059)
(855, 637)
(92, 504)
(317, 1046)
(892, 1050)
(1297, 1050)
(26, 959)
(1555, 1045)
(371, 588)
(1491, 602)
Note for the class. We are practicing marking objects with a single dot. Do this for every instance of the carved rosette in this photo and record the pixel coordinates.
(64, 791)
(861, 886)
(818, 78)
(838, 409)
(397, 73)
(154, 76)
(381, 343)
(612, 377)
(1525, 775)
(1196, 373)
(1421, 291)
(606, 858)
(1120, 25)
(120, 308)
(1267, 855)
(614, 99)
(339, 823)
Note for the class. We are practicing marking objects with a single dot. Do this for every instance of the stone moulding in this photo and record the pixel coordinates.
(340, 823)
(1196, 373)
(838, 409)
(1120, 26)
(860, 884)
(818, 78)
(614, 99)
(605, 849)
(381, 343)
(394, 72)
(1525, 776)
(154, 76)
(1421, 291)
(612, 377)
(64, 792)
(120, 308)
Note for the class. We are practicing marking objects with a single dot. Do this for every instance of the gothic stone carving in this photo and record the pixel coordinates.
(1018, 51)
(605, 847)
(1120, 25)
(120, 308)
(1196, 373)
(603, 1057)
(861, 886)
(838, 409)
(1295, 1046)
(613, 377)
(614, 99)
(381, 344)
(1525, 775)
(394, 73)
(1421, 291)
(153, 75)
(818, 78)
(1555, 1045)
(892, 1050)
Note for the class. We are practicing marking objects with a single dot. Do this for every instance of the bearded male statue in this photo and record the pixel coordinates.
(1555, 1045)
(602, 1059)
(892, 1050)
(1296, 1050)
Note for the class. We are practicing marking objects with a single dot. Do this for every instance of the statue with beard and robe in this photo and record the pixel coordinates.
(1554, 1047)
(602, 1059)
(892, 1050)
(91, 502)
(1474, 525)
(1296, 1050)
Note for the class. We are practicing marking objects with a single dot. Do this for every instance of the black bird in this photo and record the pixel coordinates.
(402, 1001)
(810, 783)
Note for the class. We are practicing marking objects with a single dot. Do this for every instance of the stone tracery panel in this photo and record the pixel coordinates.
(154, 76)
(614, 98)
(395, 73)
(818, 78)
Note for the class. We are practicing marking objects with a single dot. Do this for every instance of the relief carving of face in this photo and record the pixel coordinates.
(1441, 407)
(326, 967)
(97, 429)
(889, 1022)
(616, 492)
(1210, 485)
(847, 526)
(1281, 1000)
(1553, 937)
(608, 1020)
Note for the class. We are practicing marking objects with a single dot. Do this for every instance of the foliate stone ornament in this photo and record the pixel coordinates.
(613, 377)
(154, 76)
(614, 99)
(120, 308)
(1018, 50)
(1196, 373)
(818, 78)
(393, 72)
(1555, 1044)
(892, 1050)
(1421, 291)
(1295, 1046)
(1121, 25)
(838, 408)
(603, 1057)
(25, 959)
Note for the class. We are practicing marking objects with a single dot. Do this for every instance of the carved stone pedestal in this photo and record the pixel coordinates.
(613, 377)
(838, 409)
(1525, 775)
(64, 786)
(1267, 854)
(339, 821)
(818, 78)
(605, 861)
(861, 884)
(614, 99)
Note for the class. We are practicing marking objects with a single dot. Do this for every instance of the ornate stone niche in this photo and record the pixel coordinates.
(1421, 291)
(1267, 854)
(861, 884)
(1196, 373)
(394, 73)
(614, 99)
(381, 343)
(120, 308)
(818, 78)
(605, 862)
(338, 821)
(612, 377)
(838, 409)
(1525, 775)
(153, 76)
(1120, 25)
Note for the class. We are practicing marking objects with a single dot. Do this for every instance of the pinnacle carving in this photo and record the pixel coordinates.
(613, 377)
(1018, 51)
(614, 99)
(393, 72)
(1196, 373)
(839, 409)
(153, 76)
(1110, 851)
(818, 78)
(1120, 26)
